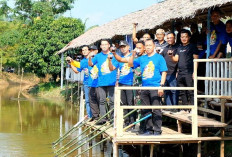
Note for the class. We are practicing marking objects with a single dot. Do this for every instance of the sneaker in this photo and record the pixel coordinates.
(140, 132)
(101, 122)
(91, 119)
(157, 133)
(148, 133)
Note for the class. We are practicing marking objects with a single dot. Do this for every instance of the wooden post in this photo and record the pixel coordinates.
(151, 150)
(222, 146)
(116, 97)
(207, 63)
(223, 110)
(115, 149)
(62, 71)
(194, 110)
(199, 144)
(141, 150)
(179, 126)
(181, 150)
(119, 118)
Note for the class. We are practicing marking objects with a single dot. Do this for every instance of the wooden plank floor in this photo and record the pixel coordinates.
(202, 121)
(176, 137)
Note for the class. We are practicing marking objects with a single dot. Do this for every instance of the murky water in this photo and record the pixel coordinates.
(29, 126)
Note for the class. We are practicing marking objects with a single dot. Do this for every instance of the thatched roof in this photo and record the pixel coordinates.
(160, 14)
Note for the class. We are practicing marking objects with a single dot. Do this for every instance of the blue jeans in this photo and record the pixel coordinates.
(171, 96)
(88, 110)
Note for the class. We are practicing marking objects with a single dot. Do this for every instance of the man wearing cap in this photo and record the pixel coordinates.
(93, 85)
(94, 49)
(160, 43)
(125, 79)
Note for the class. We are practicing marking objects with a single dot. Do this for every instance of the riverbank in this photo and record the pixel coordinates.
(32, 86)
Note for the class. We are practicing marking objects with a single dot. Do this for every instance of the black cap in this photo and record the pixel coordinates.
(123, 43)
(93, 47)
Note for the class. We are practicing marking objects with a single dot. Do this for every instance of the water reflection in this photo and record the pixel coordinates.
(29, 126)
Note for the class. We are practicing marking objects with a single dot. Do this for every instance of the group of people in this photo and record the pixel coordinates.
(153, 63)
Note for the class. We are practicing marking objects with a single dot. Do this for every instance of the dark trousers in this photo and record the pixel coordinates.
(103, 92)
(154, 123)
(186, 81)
(171, 96)
(127, 99)
(94, 101)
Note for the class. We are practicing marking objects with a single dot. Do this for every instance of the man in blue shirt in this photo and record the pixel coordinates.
(125, 79)
(106, 78)
(218, 35)
(93, 86)
(84, 67)
(153, 68)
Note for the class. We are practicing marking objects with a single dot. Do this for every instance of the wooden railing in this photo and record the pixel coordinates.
(218, 80)
(219, 85)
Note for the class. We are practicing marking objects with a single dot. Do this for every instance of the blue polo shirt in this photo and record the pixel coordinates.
(93, 76)
(218, 33)
(84, 67)
(105, 76)
(151, 69)
(126, 73)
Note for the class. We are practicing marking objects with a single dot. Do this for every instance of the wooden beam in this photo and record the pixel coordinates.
(209, 111)
(214, 96)
(214, 79)
(155, 88)
(158, 107)
(213, 60)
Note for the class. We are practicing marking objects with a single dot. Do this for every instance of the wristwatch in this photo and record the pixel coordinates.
(161, 85)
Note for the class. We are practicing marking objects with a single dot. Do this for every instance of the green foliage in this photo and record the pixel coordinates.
(4, 8)
(43, 39)
(29, 9)
(10, 38)
(42, 87)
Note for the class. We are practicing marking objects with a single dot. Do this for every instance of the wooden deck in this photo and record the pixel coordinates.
(177, 137)
(202, 121)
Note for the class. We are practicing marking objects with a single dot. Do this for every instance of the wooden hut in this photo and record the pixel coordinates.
(218, 84)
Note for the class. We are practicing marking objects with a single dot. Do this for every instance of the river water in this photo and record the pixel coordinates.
(29, 126)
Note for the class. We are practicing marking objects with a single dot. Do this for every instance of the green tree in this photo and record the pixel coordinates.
(10, 38)
(4, 10)
(43, 39)
(27, 10)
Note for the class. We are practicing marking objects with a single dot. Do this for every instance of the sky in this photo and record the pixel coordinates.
(98, 12)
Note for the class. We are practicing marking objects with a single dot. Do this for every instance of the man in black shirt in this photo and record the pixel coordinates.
(184, 56)
(171, 96)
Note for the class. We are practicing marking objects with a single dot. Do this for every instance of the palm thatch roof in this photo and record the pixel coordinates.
(157, 15)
